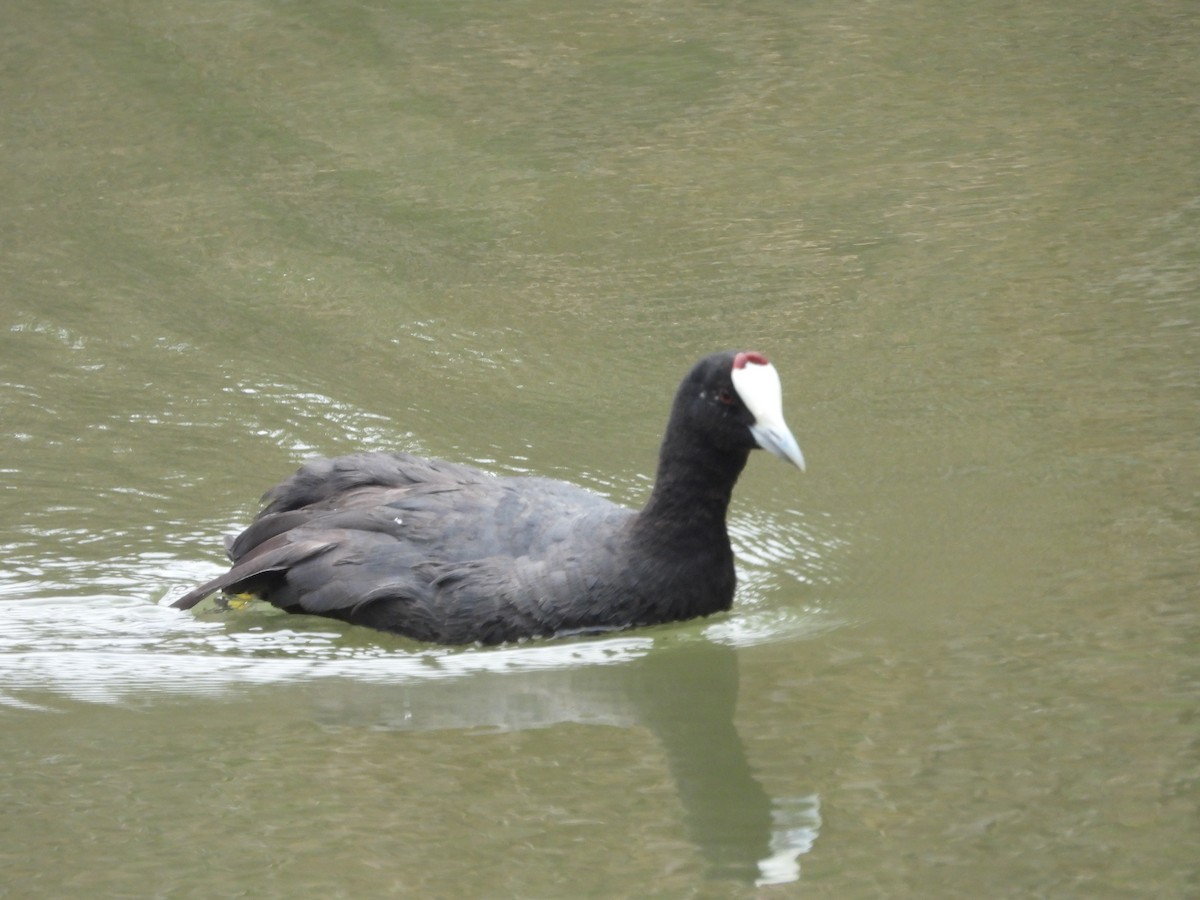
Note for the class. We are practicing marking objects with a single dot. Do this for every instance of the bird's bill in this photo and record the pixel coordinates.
(757, 383)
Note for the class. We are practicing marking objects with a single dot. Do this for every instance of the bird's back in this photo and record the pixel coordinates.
(435, 550)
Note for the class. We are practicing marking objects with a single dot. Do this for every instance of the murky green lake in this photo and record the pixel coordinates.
(963, 659)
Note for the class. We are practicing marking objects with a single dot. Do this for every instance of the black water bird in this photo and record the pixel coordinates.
(450, 554)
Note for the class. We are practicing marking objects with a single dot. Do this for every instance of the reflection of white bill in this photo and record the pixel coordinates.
(797, 824)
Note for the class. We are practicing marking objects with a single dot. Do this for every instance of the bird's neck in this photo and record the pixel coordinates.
(691, 495)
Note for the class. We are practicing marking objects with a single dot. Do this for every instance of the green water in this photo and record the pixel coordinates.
(963, 655)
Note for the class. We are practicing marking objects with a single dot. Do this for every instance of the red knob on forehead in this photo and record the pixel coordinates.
(749, 356)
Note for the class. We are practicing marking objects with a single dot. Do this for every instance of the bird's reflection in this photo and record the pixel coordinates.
(684, 693)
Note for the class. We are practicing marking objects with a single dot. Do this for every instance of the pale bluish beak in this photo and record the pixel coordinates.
(757, 383)
(776, 438)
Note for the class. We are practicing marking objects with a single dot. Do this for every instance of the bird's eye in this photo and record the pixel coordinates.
(725, 396)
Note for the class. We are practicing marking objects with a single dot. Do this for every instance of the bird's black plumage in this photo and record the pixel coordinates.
(447, 553)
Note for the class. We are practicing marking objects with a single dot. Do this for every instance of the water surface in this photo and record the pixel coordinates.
(963, 654)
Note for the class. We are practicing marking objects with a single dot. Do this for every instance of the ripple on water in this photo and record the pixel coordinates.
(104, 647)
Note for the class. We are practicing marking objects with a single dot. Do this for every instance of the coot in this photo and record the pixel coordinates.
(447, 553)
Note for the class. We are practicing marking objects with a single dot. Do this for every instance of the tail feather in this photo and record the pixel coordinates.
(254, 571)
